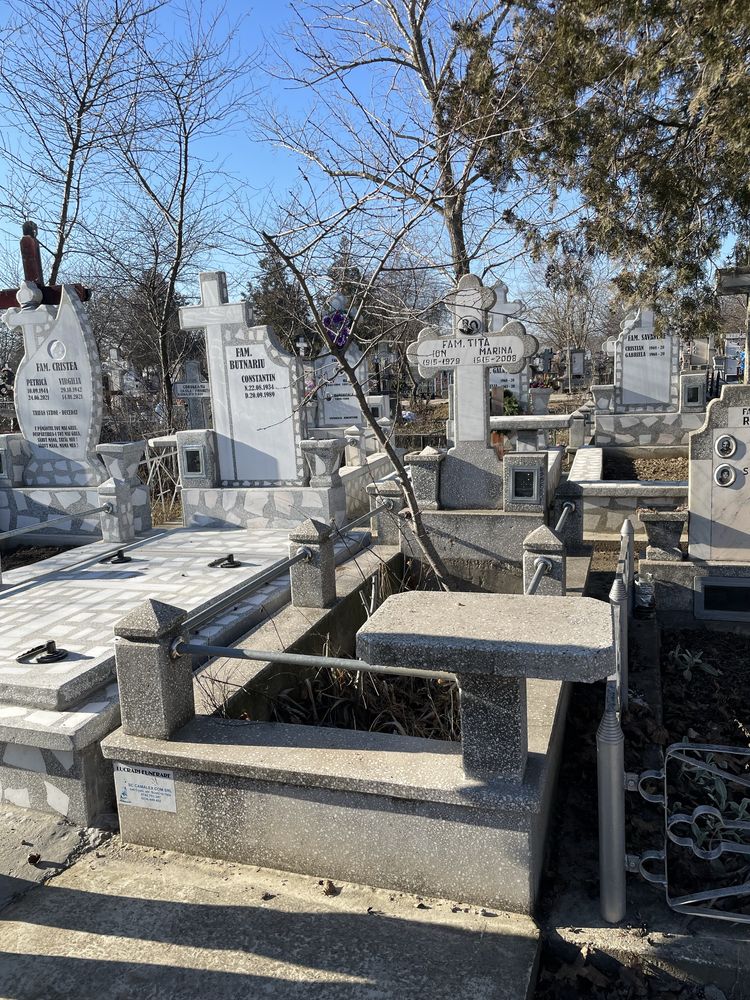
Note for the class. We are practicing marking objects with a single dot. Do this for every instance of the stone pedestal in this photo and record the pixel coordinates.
(121, 459)
(356, 449)
(544, 544)
(663, 530)
(313, 580)
(156, 689)
(118, 522)
(494, 727)
(425, 476)
(387, 523)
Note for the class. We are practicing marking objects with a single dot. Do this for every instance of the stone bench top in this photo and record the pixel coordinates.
(529, 422)
(561, 638)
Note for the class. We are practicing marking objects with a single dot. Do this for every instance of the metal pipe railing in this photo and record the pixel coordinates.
(567, 508)
(610, 758)
(180, 647)
(385, 505)
(244, 590)
(107, 508)
(543, 566)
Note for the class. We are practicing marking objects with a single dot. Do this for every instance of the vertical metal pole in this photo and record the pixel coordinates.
(627, 533)
(618, 600)
(610, 761)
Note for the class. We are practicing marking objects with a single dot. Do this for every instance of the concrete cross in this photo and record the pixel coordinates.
(470, 351)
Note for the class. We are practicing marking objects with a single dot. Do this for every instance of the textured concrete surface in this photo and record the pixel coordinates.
(563, 638)
(130, 922)
(387, 810)
(25, 832)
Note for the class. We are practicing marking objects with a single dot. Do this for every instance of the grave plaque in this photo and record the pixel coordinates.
(58, 393)
(337, 402)
(646, 365)
(256, 392)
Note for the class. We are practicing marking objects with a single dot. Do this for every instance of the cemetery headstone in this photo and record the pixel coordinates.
(195, 391)
(58, 390)
(338, 406)
(471, 476)
(577, 362)
(647, 365)
(719, 490)
(256, 390)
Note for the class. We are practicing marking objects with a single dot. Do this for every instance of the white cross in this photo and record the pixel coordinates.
(215, 309)
(471, 351)
(502, 310)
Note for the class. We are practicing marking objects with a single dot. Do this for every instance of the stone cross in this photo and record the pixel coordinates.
(470, 351)
(503, 310)
(215, 308)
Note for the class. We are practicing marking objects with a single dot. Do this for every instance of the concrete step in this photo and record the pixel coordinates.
(130, 921)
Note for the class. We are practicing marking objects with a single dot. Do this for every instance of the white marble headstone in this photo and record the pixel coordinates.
(647, 366)
(256, 392)
(58, 393)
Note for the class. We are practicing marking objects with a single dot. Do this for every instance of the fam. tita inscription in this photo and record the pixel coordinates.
(449, 352)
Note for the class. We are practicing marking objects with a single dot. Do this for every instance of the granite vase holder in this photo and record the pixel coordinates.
(121, 459)
(324, 461)
(425, 476)
(663, 531)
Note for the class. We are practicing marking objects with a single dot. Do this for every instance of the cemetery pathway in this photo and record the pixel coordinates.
(128, 921)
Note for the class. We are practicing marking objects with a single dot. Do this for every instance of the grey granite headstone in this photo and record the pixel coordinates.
(58, 393)
(195, 392)
(256, 392)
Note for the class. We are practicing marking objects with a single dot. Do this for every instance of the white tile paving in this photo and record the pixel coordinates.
(78, 606)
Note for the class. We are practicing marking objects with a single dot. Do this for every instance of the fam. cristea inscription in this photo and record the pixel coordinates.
(58, 394)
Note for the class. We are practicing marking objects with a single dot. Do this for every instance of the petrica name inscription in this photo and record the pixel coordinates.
(67, 389)
(257, 386)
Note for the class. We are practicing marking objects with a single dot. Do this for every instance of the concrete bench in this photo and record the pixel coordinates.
(493, 643)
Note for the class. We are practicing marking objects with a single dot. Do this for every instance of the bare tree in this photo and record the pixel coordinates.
(67, 74)
(393, 114)
(193, 85)
(569, 304)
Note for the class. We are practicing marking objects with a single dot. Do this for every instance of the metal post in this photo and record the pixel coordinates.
(610, 760)
(618, 599)
(627, 534)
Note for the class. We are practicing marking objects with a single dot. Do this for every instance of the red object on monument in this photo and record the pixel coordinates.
(32, 271)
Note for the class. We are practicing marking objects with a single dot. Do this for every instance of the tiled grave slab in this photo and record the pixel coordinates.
(78, 606)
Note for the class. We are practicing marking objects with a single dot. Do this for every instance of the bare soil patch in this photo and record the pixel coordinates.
(642, 469)
(26, 555)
